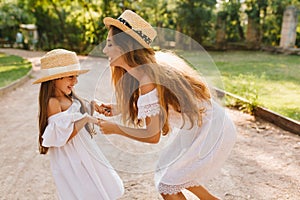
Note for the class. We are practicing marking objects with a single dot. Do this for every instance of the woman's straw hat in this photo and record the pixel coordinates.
(134, 25)
(59, 63)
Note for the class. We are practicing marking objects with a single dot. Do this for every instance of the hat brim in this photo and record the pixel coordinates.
(108, 21)
(60, 75)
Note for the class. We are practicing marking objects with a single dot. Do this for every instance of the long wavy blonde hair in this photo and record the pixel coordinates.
(178, 85)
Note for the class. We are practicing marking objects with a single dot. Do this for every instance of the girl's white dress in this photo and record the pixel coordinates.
(195, 153)
(79, 168)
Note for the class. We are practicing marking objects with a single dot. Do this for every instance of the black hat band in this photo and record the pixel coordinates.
(140, 33)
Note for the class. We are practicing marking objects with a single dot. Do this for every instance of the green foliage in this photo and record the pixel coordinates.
(264, 79)
(71, 24)
(271, 27)
(254, 8)
(12, 68)
(11, 16)
(159, 13)
(245, 87)
(267, 14)
(78, 24)
(230, 11)
(194, 18)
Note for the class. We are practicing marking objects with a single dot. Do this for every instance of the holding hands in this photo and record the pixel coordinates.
(104, 109)
(106, 127)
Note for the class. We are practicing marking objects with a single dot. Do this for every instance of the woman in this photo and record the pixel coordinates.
(157, 91)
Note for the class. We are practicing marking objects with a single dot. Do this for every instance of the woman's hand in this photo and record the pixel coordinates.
(104, 109)
(107, 127)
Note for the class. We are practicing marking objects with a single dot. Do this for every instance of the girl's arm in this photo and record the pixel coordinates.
(150, 134)
(78, 125)
(54, 108)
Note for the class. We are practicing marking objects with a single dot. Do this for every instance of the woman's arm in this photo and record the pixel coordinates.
(150, 134)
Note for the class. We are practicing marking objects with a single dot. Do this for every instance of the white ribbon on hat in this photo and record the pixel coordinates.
(58, 70)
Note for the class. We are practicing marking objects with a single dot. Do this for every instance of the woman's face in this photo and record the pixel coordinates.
(113, 51)
(65, 85)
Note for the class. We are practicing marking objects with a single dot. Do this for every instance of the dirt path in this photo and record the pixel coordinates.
(264, 164)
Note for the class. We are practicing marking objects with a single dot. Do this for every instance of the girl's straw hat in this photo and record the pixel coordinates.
(59, 63)
(134, 25)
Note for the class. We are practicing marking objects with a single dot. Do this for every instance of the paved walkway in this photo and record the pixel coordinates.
(265, 163)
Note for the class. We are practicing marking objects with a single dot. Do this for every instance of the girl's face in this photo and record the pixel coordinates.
(65, 85)
(113, 52)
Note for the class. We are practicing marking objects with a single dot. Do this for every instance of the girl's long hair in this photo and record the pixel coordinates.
(178, 85)
(47, 91)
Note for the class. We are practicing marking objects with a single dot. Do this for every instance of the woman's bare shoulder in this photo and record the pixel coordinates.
(147, 88)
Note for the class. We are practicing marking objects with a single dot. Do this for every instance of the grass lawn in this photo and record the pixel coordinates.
(268, 80)
(12, 68)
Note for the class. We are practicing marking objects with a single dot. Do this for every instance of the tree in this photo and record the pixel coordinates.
(271, 27)
(11, 16)
(231, 13)
(256, 11)
(195, 18)
(72, 24)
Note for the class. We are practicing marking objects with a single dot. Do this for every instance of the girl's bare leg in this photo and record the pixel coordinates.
(202, 193)
(178, 196)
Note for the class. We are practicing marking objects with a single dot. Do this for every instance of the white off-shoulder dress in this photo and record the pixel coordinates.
(79, 168)
(196, 153)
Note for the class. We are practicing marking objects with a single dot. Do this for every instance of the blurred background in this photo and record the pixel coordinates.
(215, 24)
(254, 43)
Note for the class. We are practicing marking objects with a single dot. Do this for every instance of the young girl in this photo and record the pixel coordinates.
(79, 168)
(159, 93)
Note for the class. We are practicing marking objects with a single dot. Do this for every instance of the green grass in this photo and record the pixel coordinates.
(265, 79)
(12, 68)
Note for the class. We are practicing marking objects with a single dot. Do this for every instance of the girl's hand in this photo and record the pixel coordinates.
(92, 119)
(104, 109)
(107, 127)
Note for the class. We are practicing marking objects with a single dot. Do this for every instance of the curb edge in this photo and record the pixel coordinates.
(283, 122)
(12, 86)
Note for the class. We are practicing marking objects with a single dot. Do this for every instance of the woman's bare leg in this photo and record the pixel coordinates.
(178, 196)
(202, 193)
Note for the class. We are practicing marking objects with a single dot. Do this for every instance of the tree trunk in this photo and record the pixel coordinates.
(253, 37)
(221, 33)
(288, 29)
(178, 38)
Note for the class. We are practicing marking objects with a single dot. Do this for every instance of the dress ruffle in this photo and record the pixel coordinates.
(174, 189)
(148, 110)
(148, 105)
(60, 127)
